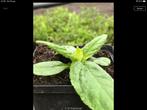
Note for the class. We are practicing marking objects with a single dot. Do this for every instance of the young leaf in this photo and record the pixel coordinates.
(93, 84)
(49, 68)
(103, 61)
(94, 46)
(66, 51)
(77, 55)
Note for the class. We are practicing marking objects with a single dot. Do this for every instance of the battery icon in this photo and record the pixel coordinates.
(144, 1)
(141, 1)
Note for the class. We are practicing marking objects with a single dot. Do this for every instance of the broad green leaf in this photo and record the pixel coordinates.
(93, 85)
(48, 68)
(94, 46)
(103, 61)
(66, 51)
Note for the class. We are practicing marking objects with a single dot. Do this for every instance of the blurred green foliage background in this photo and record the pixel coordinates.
(62, 26)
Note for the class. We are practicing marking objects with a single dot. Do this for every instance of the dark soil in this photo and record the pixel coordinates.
(42, 53)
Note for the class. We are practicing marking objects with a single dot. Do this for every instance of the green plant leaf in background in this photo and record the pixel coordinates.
(93, 84)
(94, 46)
(40, 27)
(103, 61)
(62, 26)
(49, 68)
